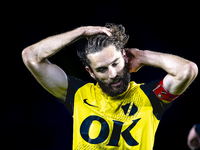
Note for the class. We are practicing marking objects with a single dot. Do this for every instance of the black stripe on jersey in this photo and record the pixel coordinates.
(73, 85)
(158, 106)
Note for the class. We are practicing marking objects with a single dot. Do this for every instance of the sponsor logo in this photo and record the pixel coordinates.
(105, 130)
(85, 101)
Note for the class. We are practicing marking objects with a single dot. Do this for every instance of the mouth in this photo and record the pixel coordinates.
(116, 83)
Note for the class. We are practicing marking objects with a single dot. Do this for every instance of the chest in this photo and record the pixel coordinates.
(100, 121)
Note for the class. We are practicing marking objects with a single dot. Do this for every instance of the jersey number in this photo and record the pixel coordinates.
(104, 132)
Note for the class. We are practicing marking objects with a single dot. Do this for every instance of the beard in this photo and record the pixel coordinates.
(123, 77)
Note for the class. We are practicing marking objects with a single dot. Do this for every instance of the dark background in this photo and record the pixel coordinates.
(32, 119)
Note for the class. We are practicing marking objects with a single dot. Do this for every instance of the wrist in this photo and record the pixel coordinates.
(80, 31)
(73, 35)
(150, 58)
(142, 55)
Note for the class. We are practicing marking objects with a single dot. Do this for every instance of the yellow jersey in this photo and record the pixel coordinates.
(126, 122)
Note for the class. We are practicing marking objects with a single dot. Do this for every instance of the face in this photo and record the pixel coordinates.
(109, 70)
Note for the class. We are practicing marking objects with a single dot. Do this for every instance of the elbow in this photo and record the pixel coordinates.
(192, 71)
(27, 56)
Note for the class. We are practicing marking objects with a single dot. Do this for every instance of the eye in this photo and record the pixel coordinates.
(115, 64)
(102, 70)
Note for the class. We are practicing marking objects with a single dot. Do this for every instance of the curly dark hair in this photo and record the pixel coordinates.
(99, 41)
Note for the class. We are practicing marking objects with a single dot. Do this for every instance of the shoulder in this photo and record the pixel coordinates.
(149, 87)
(74, 84)
(158, 105)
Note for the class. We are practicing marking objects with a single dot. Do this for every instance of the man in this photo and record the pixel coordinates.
(193, 139)
(115, 113)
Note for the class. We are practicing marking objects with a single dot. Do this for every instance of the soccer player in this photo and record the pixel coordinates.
(114, 113)
(193, 139)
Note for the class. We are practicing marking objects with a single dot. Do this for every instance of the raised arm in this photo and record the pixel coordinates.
(181, 72)
(50, 76)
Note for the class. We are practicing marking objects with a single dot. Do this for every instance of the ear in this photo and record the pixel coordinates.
(90, 72)
(125, 56)
(124, 53)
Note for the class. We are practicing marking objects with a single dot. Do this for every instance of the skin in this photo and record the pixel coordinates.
(49, 75)
(106, 63)
(193, 140)
(108, 69)
(180, 72)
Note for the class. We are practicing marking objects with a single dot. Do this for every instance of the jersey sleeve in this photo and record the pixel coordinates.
(159, 107)
(73, 85)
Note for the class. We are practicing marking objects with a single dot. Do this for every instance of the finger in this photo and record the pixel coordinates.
(126, 49)
(107, 32)
(128, 53)
(131, 49)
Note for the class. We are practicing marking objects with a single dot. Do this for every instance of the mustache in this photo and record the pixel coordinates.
(115, 80)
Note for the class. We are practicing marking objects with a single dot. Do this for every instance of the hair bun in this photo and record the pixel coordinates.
(118, 32)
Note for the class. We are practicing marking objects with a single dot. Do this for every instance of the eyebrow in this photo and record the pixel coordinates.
(106, 66)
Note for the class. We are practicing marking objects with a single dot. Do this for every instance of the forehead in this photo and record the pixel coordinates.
(104, 57)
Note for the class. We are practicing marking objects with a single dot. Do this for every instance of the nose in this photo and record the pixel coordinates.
(112, 72)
